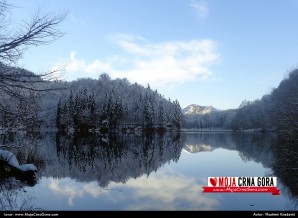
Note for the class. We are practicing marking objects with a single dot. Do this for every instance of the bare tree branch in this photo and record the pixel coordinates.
(19, 85)
(41, 29)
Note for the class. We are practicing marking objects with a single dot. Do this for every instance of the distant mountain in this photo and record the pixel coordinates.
(197, 109)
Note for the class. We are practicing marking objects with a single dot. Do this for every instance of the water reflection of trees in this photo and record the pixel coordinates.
(116, 158)
(265, 148)
(13, 193)
(112, 158)
(13, 196)
(196, 142)
(88, 157)
(256, 147)
(251, 146)
(286, 167)
(24, 146)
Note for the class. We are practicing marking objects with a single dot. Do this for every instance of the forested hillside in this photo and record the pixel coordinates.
(112, 104)
(276, 111)
(108, 104)
(103, 104)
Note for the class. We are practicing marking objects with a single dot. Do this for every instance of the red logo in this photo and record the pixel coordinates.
(213, 181)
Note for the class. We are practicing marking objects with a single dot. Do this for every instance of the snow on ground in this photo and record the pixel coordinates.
(28, 167)
(11, 159)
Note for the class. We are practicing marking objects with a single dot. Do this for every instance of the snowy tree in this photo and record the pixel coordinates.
(177, 114)
(115, 104)
(71, 109)
(148, 112)
(285, 99)
(92, 108)
(58, 115)
(161, 121)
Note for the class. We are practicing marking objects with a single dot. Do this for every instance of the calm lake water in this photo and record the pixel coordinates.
(153, 172)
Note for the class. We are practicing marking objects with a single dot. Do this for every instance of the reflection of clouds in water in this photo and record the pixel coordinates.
(72, 190)
(170, 192)
(159, 191)
(67, 190)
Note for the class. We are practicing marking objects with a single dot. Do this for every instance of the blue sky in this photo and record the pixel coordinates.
(207, 52)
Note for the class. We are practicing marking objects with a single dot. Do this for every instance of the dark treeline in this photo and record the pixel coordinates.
(276, 111)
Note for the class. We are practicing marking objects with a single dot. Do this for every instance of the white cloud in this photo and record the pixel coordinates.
(90, 68)
(159, 64)
(78, 68)
(201, 7)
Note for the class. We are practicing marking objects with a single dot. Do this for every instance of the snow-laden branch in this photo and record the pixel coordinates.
(9, 158)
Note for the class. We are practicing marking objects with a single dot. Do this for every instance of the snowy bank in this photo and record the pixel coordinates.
(10, 167)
